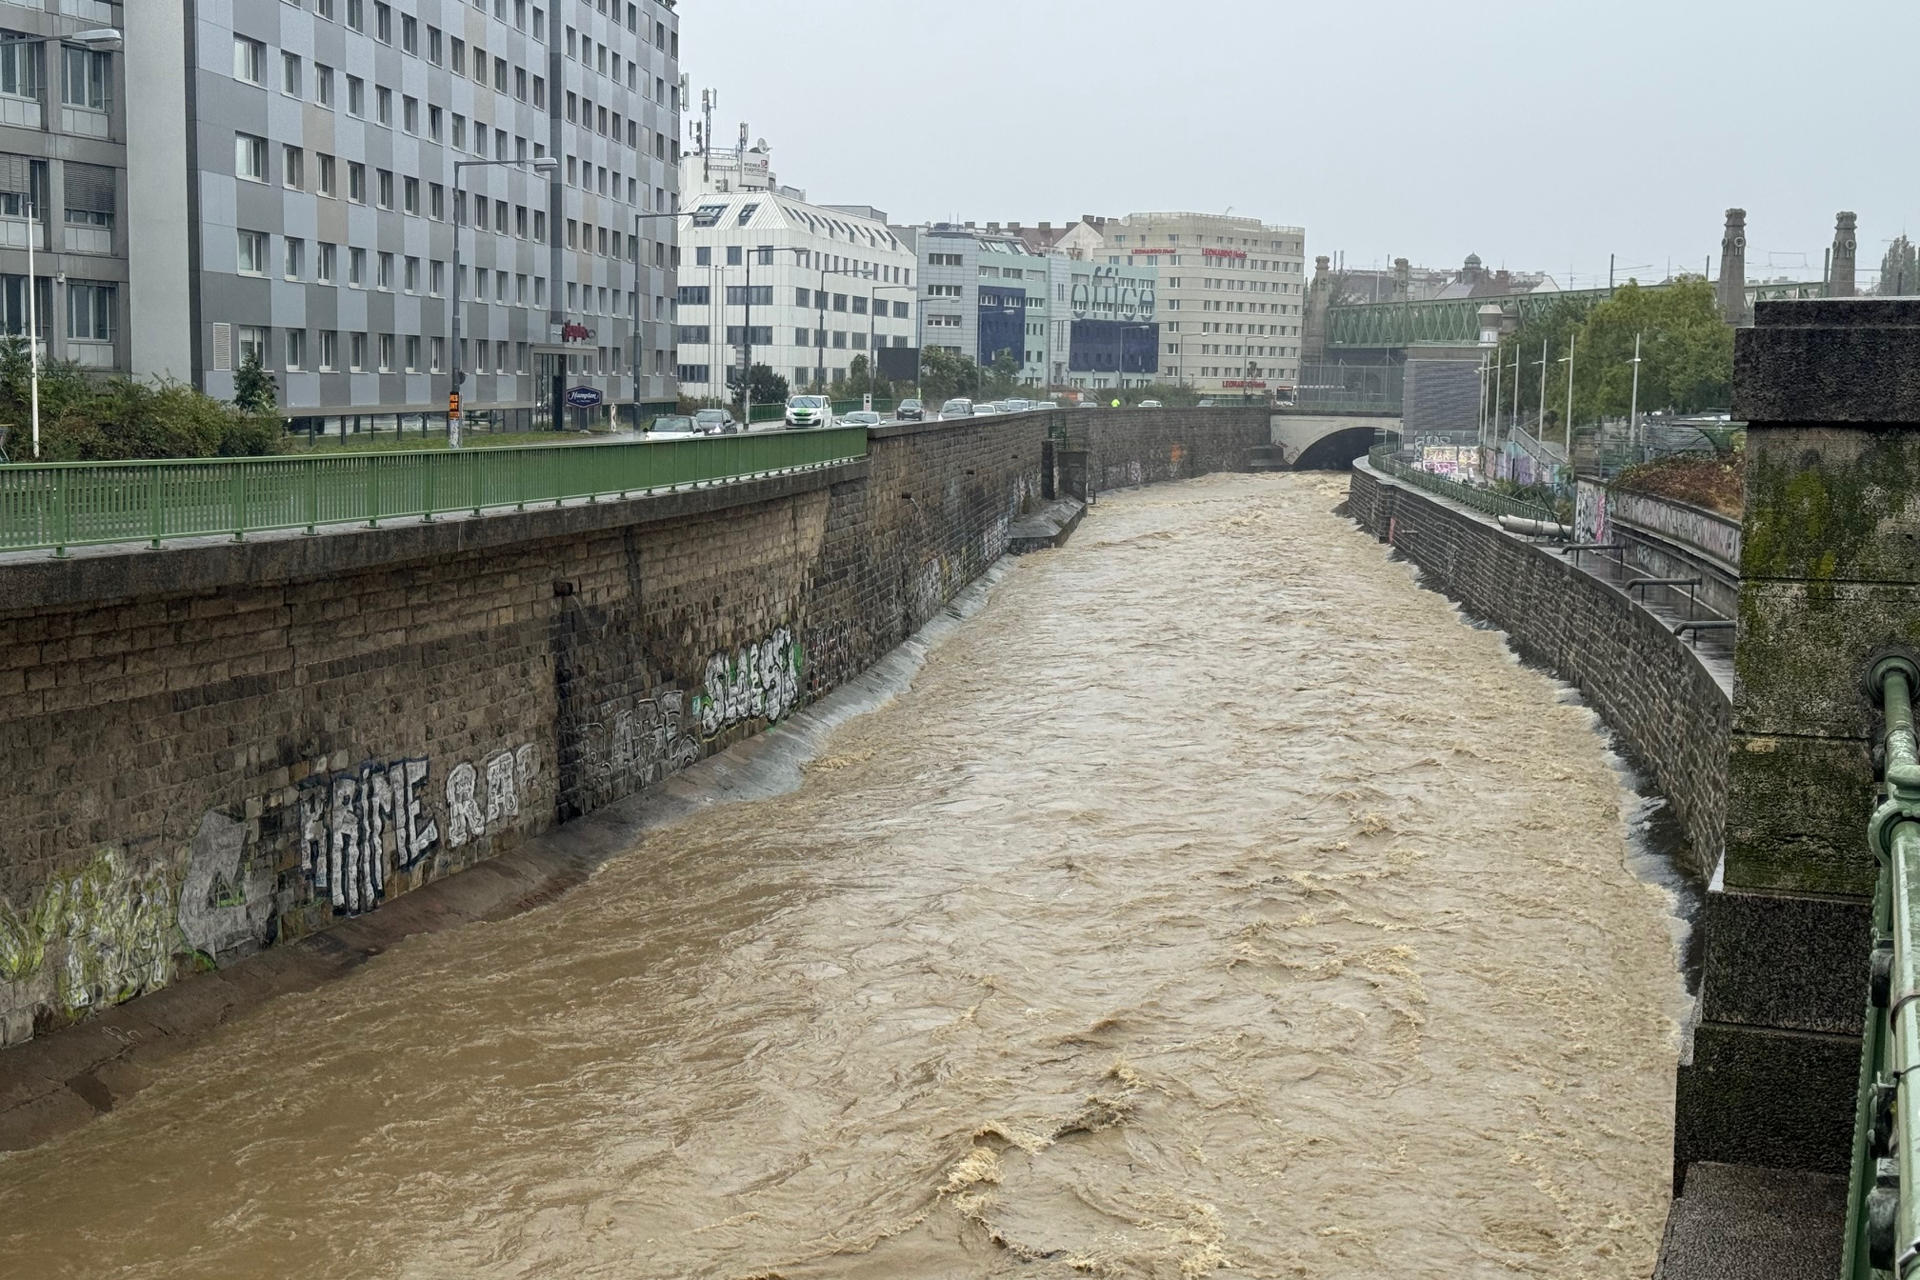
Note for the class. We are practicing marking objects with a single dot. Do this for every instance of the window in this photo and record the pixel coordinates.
(385, 278)
(90, 310)
(458, 62)
(356, 14)
(436, 202)
(434, 121)
(296, 348)
(382, 22)
(323, 85)
(410, 114)
(329, 349)
(327, 183)
(434, 51)
(410, 35)
(20, 68)
(356, 182)
(293, 167)
(436, 277)
(251, 247)
(413, 353)
(383, 105)
(439, 354)
(386, 353)
(290, 74)
(500, 76)
(386, 188)
(249, 157)
(295, 264)
(85, 76)
(459, 132)
(412, 277)
(252, 341)
(357, 268)
(326, 262)
(357, 352)
(761, 295)
(693, 295)
(249, 60)
(356, 96)
(410, 190)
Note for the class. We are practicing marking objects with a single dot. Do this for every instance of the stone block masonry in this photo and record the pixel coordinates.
(1669, 708)
(216, 748)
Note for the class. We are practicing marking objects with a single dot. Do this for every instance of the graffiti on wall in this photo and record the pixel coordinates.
(760, 681)
(99, 934)
(1590, 522)
(355, 823)
(653, 740)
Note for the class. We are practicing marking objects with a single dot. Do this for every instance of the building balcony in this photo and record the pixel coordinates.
(88, 239)
(85, 122)
(100, 11)
(15, 232)
(20, 113)
(91, 355)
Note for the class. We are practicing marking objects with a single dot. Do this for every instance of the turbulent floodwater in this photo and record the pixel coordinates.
(1215, 901)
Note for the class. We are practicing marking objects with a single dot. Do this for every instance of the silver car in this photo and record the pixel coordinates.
(957, 408)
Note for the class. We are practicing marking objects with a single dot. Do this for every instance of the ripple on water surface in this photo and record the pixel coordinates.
(1215, 898)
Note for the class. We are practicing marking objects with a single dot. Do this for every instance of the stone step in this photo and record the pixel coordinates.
(1739, 1222)
(1050, 526)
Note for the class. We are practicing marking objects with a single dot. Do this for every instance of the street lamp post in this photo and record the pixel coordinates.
(1633, 413)
(97, 39)
(546, 166)
(873, 330)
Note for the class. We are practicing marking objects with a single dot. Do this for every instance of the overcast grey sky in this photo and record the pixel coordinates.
(1541, 136)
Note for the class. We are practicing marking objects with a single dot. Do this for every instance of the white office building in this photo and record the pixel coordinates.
(1231, 293)
(798, 287)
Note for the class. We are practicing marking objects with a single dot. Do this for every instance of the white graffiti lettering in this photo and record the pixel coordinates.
(759, 682)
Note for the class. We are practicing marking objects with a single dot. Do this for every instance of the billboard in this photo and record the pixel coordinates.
(899, 364)
(1113, 346)
(1441, 403)
(1003, 323)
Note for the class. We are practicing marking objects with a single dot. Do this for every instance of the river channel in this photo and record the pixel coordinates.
(1214, 901)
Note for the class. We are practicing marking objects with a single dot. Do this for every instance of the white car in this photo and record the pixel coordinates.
(1151, 404)
(982, 410)
(809, 411)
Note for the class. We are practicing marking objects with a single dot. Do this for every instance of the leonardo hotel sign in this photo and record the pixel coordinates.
(1109, 296)
(1237, 255)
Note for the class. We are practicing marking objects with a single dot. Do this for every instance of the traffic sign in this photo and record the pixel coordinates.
(453, 404)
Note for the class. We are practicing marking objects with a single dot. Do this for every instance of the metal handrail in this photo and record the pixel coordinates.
(68, 504)
(1883, 1218)
(1381, 458)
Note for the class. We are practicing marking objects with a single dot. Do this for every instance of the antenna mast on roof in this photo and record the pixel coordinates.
(708, 99)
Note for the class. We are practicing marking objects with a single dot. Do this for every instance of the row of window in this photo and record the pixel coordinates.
(699, 374)
(1255, 308)
(806, 260)
(93, 308)
(398, 353)
(86, 76)
(521, 12)
(1278, 246)
(410, 274)
(1221, 349)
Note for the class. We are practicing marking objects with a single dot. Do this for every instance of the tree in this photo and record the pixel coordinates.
(767, 386)
(860, 382)
(253, 388)
(1002, 376)
(1686, 352)
(1899, 269)
(946, 374)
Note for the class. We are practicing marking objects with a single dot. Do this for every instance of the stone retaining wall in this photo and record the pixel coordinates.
(217, 747)
(1666, 705)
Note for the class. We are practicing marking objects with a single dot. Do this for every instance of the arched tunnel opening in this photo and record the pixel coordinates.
(1337, 452)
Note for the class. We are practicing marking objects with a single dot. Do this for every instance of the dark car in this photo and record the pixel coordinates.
(715, 422)
(910, 411)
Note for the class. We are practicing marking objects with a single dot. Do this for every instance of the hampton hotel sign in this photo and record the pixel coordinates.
(1108, 296)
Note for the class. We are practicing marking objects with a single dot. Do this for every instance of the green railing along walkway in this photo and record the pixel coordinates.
(1381, 458)
(61, 505)
(1883, 1208)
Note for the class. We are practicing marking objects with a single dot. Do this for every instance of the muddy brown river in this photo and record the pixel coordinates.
(1215, 901)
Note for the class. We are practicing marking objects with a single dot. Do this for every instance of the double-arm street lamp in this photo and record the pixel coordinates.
(545, 166)
(97, 40)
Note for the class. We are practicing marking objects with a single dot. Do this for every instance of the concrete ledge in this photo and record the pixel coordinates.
(1763, 1096)
(1830, 361)
(37, 580)
(1737, 1223)
(1051, 526)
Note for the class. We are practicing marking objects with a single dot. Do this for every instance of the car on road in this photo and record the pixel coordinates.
(910, 411)
(809, 411)
(1151, 404)
(672, 424)
(957, 408)
(1204, 404)
(1088, 404)
(982, 410)
(859, 418)
(1015, 406)
(715, 422)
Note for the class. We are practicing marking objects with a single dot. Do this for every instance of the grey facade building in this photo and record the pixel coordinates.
(284, 184)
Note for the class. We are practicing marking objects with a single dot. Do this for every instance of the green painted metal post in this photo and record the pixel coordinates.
(313, 496)
(373, 492)
(426, 486)
(238, 496)
(63, 533)
(153, 505)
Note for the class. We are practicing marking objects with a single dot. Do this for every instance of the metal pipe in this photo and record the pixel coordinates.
(1705, 624)
(1638, 583)
(1895, 835)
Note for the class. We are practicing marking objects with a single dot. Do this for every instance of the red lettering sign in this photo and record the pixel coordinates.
(1237, 254)
(1160, 249)
(575, 333)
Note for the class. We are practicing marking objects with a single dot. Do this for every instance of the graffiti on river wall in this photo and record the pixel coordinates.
(758, 682)
(226, 899)
(653, 740)
(355, 824)
(99, 934)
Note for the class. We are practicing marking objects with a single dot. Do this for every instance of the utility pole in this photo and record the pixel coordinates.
(1569, 363)
(1499, 381)
(1540, 428)
(1633, 414)
(1517, 362)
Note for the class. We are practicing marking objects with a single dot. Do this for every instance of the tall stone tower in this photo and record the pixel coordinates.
(1733, 270)
(1840, 280)
(1313, 332)
(1402, 280)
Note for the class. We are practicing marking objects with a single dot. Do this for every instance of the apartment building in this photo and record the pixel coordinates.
(289, 169)
(1231, 293)
(1106, 329)
(982, 295)
(798, 287)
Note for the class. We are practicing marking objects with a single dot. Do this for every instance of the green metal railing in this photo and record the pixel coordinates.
(1883, 1221)
(1383, 459)
(61, 505)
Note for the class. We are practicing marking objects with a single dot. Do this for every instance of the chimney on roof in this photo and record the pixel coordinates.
(993, 227)
(1013, 226)
(1046, 227)
(1504, 279)
(1840, 276)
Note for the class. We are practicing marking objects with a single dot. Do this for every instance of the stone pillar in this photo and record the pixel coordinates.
(1830, 581)
(1733, 269)
(1846, 245)
(1313, 328)
(1402, 280)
